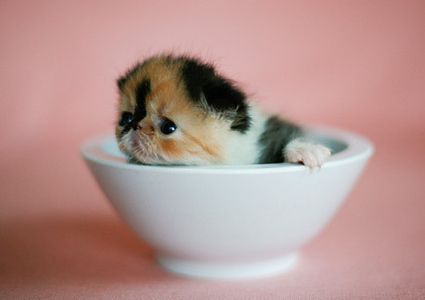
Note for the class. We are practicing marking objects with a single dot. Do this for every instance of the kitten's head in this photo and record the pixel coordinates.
(178, 110)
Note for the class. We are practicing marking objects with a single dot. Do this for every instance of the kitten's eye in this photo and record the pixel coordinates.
(126, 118)
(168, 126)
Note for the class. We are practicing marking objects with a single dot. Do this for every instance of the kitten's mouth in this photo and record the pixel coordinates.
(139, 147)
(136, 141)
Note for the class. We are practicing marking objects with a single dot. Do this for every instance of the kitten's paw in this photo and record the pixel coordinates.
(311, 155)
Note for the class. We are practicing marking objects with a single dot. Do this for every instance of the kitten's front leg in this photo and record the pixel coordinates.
(310, 154)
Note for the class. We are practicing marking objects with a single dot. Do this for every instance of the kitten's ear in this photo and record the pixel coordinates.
(205, 85)
(120, 82)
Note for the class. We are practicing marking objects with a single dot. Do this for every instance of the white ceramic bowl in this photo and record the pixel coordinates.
(229, 222)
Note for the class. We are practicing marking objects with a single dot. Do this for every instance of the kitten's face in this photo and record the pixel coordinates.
(159, 121)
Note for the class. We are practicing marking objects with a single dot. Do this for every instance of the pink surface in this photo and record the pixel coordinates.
(357, 65)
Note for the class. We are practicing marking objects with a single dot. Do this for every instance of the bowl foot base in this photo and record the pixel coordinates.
(258, 269)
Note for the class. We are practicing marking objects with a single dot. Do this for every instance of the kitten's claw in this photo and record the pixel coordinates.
(311, 155)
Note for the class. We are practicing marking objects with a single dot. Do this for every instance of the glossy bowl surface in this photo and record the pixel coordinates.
(229, 222)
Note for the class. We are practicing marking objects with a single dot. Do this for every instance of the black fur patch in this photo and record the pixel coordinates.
(275, 137)
(142, 92)
(221, 94)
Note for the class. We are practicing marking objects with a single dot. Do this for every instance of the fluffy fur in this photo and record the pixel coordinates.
(178, 110)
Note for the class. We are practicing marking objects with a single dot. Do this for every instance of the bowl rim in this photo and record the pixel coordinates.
(358, 148)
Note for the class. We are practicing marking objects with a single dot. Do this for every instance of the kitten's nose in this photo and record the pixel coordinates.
(145, 128)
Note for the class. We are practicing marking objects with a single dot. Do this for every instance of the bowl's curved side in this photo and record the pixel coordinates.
(227, 216)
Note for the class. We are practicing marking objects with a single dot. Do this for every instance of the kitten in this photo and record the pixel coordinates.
(177, 110)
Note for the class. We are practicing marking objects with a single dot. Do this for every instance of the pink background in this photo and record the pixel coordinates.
(357, 65)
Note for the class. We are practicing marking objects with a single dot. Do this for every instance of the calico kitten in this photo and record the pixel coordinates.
(179, 110)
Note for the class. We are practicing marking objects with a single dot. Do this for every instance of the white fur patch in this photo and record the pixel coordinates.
(311, 155)
(242, 149)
